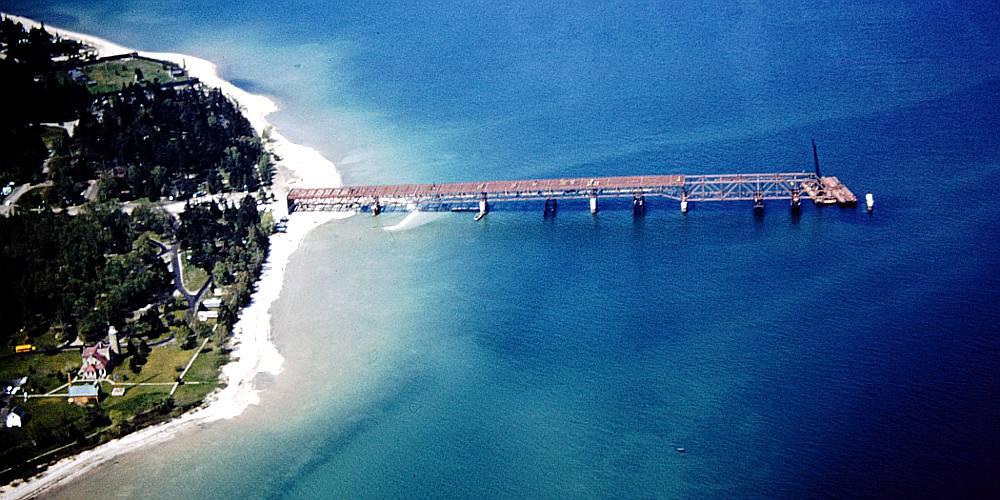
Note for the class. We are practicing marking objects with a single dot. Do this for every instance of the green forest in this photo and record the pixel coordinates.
(36, 94)
(145, 141)
(88, 242)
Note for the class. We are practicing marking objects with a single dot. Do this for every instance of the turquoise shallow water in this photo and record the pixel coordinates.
(833, 354)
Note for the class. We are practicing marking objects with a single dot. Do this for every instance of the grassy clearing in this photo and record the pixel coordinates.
(178, 316)
(206, 367)
(136, 399)
(44, 371)
(161, 365)
(52, 412)
(192, 393)
(52, 422)
(194, 276)
(110, 76)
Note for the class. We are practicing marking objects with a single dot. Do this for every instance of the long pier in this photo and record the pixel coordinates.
(470, 196)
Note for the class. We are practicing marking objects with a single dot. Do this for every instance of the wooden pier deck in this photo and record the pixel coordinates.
(470, 195)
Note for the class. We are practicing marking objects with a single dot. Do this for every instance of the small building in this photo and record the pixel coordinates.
(207, 315)
(13, 417)
(83, 394)
(96, 361)
(212, 303)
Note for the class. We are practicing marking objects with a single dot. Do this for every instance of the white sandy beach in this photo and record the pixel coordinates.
(253, 352)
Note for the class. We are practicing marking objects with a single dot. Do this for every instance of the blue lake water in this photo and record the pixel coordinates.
(833, 354)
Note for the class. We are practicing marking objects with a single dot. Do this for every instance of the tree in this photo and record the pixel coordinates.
(190, 341)
(147, 217)
(220, 274)
(187, 337)
(204, 330)
(135, 363)
(149, 324)
(93, 326)
(109, 187)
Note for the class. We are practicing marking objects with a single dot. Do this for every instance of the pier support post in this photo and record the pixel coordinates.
(593, 202)
(638, 204)
(684, 202)
(484, 207)
(376, 207)
(550, 207)
(758, 202)
(796, 203)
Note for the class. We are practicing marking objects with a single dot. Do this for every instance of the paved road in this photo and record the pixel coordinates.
(172, 254)
(11, 200)
(192, 298)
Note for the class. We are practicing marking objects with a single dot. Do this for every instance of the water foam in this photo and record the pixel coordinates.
(414, 219)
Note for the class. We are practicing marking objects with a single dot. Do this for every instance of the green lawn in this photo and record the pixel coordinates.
(136, 399)
(111, 75)
(194, 276)
(206, 367)
(52, 422)
(192, 393)
(161, 365)
(44, 371)
(179, 315)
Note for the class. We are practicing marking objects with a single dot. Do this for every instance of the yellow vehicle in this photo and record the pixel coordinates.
(25, 348)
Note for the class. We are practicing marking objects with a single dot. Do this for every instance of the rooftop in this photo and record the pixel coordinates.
(78, 391)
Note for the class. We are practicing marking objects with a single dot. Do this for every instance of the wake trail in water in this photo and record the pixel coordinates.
(414, 219)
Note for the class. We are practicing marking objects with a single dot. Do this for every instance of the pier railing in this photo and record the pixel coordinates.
(470, 195)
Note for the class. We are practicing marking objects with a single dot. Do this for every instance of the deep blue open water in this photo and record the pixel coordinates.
(833, 354)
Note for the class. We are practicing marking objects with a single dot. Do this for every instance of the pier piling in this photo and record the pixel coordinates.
(638, 204)
(550, 207)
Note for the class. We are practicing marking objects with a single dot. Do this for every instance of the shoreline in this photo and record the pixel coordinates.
(252, 352)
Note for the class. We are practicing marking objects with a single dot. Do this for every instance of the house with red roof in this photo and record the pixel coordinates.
(96, 361)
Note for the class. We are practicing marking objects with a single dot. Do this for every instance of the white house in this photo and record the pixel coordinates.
(207, 315)
(13, 417)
